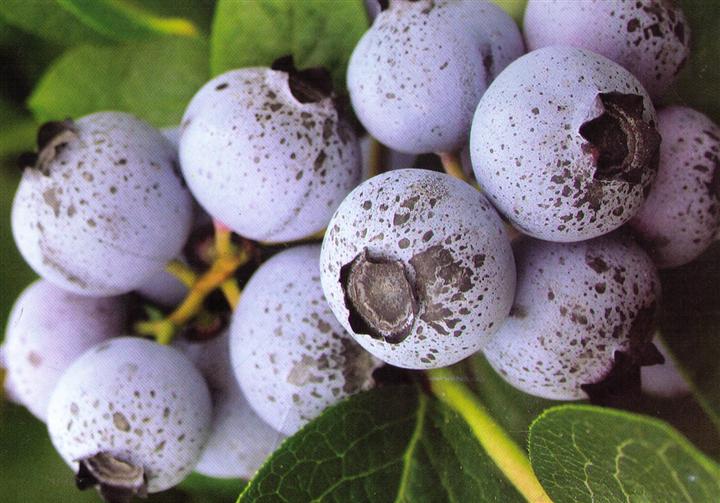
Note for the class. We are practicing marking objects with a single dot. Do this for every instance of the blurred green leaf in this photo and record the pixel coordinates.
(31, 469)
(207, 489)
(17, 135)
(46, 19)
(199, 12)
(582, 453)
(316, 33)
(154, 81)
(123, 21)
(697, 86)
(391, 444)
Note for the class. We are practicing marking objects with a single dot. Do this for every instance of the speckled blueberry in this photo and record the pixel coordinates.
(417, 74)
(582, 321)
(564, 143)
(131, 416)
(290, 356)
(239, 440)
(681, 215)
(651, 38)
(267, 154)
(416, 265)
(47, 330)
(102, 206)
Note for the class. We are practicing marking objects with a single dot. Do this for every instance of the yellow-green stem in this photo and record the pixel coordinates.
(228, 258)
(182, 272)
(506, 454)
(375, 158)
(452, 166)
(232, 292)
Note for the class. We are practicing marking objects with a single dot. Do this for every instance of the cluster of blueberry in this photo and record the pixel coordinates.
(416, 268)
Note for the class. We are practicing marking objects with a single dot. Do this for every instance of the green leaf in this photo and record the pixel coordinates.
(121, 20)
(697, 85)
(154, 81)
(207, 489)
(583, 453)
(46, 19)
(315, 32)
(510, 407)
(388, 445)
(690, 324)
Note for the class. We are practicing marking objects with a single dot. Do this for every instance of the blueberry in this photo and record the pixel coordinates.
(417, 74)
(131, 416)
(239, 440)
(651, 38)
(681, 215)
(267, 154)
(416, 265)
(564, 143)
(582, 320)
(48, 329)
(664, 380)
(102, 206)
(290, 356)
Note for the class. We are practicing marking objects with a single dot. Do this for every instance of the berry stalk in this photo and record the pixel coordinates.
(511, 460)
(451, 164)
(228, 258)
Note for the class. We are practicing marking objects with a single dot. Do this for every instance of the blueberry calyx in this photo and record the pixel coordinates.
(51, 138)
(623, 380)
(380, 297)
(624, 146)
(307, 86)
(117, 481)
(624, 376)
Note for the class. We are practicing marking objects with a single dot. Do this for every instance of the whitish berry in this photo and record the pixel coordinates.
(417, 74)
(290, 356)
(131, 416)
(102, 206)
(239, 440)
(664, 380)
(47, 330)
(265, 152)
(650, 38)
(416, 265)
(564, 144)
(582, 321)
(681, 215)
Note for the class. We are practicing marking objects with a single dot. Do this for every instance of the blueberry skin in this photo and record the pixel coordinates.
(136, 400)
(290, 356)
(531, 158)
(650, 38)
(239, 441)
(270, 167)
(681, 215)
(417, 74)
(577, 304)
(107, 212)
(453, 248)
(47, 330)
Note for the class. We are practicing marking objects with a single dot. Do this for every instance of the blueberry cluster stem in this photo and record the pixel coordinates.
(452, 166)
(375, 159)
(228, 258)
(506, 454)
